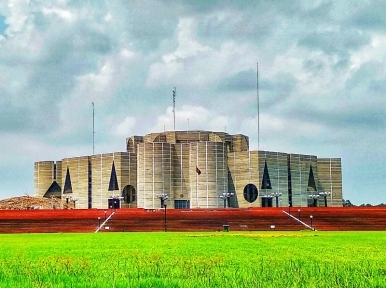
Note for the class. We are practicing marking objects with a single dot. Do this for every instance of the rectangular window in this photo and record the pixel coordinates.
(181, 204)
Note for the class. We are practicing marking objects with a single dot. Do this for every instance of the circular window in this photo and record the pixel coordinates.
(250, 193)
(128, 194)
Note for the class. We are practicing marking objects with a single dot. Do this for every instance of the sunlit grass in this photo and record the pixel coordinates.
(261, 259)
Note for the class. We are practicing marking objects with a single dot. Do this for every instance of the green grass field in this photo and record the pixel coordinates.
(256, 259)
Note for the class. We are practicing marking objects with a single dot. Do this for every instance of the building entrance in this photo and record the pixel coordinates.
(266, 202)
(114, 203)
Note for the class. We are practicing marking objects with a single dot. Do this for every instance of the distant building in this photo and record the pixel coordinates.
(196, 169)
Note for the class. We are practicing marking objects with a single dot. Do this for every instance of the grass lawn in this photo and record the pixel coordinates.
(233, 259)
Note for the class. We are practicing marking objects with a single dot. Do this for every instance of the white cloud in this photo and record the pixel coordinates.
(193, 118)
(61, 13)
(100, 86)
(193, 63)
(99, 82)
(18, 13)
(374, 51)
(125, 128)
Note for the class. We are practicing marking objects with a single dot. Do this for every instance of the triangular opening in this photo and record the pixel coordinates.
(67, 183)
(53, 191)
(311, 181)
(113, 185)
(266, 183)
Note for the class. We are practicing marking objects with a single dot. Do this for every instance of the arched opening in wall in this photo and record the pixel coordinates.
(250, 193)
(129, 196)
(266, 201)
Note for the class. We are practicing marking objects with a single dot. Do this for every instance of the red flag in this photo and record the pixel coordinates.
(198, 171)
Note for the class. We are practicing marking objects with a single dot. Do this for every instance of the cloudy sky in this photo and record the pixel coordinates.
(322, 79)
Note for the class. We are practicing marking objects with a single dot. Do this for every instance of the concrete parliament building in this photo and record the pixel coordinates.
(195, 169)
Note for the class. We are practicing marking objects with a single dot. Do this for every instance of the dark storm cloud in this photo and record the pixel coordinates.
(366, 114)
(360, 106)
(350, 117)
(241, 81)
(377, 87)
(366, 83)
(146, 28)
(249, 26)
(14, 119)
(76, 50)
(259, 7)
(51, 74)
(316, 13)
(203, 6)
(370, 16)
(251, 21)
(313, 65)
(276, 90)
(335, 42)
(150, 36)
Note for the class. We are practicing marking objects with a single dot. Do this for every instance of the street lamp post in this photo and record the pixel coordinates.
(226, 197)
(165, 218)
(311, 217)
(276, 195)
(325, 194)
(163, 197)
(314, 198)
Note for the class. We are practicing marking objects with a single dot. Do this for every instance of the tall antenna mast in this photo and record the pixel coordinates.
(174, 109)
(258, 106)
(93, 130)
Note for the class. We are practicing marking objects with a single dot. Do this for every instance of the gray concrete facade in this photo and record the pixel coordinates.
(196, 169)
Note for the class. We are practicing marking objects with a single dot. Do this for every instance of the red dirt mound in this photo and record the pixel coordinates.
(31, 203)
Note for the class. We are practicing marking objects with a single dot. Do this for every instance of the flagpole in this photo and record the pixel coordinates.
(258, 107)
(93, 129)
(174, 109)
(197, 174)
